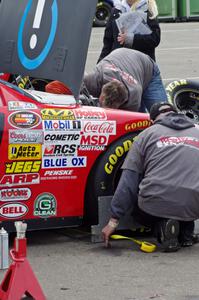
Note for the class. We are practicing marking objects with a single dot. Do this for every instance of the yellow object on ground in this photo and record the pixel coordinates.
(144, 246)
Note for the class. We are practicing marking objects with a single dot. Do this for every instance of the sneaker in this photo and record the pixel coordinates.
(167, 234)
(188, 242)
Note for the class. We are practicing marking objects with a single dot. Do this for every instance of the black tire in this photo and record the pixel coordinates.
(105, 175)
(184, 95)
(102, 14)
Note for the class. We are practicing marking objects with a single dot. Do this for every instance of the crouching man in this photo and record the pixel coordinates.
(160, 180)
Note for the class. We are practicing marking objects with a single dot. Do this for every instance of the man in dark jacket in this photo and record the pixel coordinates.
(138, 73)
(145, 43)
(160, 179)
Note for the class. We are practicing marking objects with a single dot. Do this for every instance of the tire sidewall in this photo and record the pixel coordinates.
(102, 5)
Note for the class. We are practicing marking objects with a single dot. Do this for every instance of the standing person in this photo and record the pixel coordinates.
(125, 79)
(160, 179)
(145, 43)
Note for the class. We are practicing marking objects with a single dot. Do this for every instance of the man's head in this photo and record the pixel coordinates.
(113, 94)
(161, 108)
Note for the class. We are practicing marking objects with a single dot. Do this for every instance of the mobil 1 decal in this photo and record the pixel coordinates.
(45, 206)
(61, 125)
(24, 119)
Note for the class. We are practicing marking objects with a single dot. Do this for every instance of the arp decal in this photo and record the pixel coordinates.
(24, 119)
(19, 179)
(13, 210)
(94, 114)
(18, 105)
(45, 206)
(62, 125)
(24, 152)
(66, 162)
(99, 127)
(23, 167)
(61, 137)
(137, 125)
(118, 152)
(57, 114)
(15, 194)
(59, 150)
(25, 136)
(28, 63)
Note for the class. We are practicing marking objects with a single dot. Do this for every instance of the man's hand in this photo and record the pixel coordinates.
(109, 229)
(121, 38)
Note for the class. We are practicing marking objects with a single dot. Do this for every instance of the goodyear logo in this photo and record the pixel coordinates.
(57, 114)
(24, 152)
(137, 125)
(23, 167)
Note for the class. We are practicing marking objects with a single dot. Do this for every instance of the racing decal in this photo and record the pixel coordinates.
(178, 141)
(170, 87)
(24, 119)
(119, 152)
(137, 125)
(19, 179)
(23, 167)
(99, 127)
(15, 194)
(25, 136)
(91, 148)
(62, 125)
(67, 162)
(124, 75)
(19, 105)
(94, 140)
(45, 206)
(13, 210)
(58, 175)
(97, 113)
(24, 152)
(59, 150)
(57, 114)
(62, 137)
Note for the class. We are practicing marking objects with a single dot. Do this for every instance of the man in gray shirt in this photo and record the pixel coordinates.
(138, 75)
(160, 179)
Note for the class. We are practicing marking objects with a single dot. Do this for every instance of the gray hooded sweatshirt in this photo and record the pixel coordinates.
(133, 68)
(166, 155)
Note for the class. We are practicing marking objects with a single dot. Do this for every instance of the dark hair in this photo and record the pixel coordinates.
(160, 108)
(115, 94)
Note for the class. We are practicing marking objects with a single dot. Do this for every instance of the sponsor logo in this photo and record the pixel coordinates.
(57, 114)
(58, 172)
(178, 141)
(118, 152)
(13, 210)
(45, 206)
(108, 127)
(90, 114)
(18, 179)
(24, 119)
(17, 194)
(67, 162)
(137, 125)
(18, 105)
(90, 148)
(50, 138)
(59, 150)
(26, 136)
(23, 167)
(21, 152)
(94, 140)
(62, 125)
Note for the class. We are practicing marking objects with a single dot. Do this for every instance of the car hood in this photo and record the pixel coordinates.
(46, 39)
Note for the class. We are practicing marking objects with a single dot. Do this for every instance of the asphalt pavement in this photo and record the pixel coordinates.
(66, 263)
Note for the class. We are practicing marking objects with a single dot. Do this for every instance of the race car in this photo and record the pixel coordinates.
(57, 155)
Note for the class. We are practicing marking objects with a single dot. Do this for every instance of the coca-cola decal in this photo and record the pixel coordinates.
(99, 127)
(15, 194)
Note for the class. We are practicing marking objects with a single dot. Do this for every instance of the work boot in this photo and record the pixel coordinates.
(186, 236)
(167, 234)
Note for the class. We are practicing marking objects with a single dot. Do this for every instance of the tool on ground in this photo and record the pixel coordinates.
(4, 249)
(144, 246)
(20, 280)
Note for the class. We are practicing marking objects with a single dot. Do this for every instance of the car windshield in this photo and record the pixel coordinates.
(43, 97)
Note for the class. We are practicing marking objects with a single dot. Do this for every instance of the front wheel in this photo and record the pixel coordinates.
(184, 95)
(102, 14)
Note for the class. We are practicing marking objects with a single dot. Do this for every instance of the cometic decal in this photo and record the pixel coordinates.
(62, 137)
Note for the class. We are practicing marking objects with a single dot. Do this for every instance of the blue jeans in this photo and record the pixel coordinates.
(155, 91)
